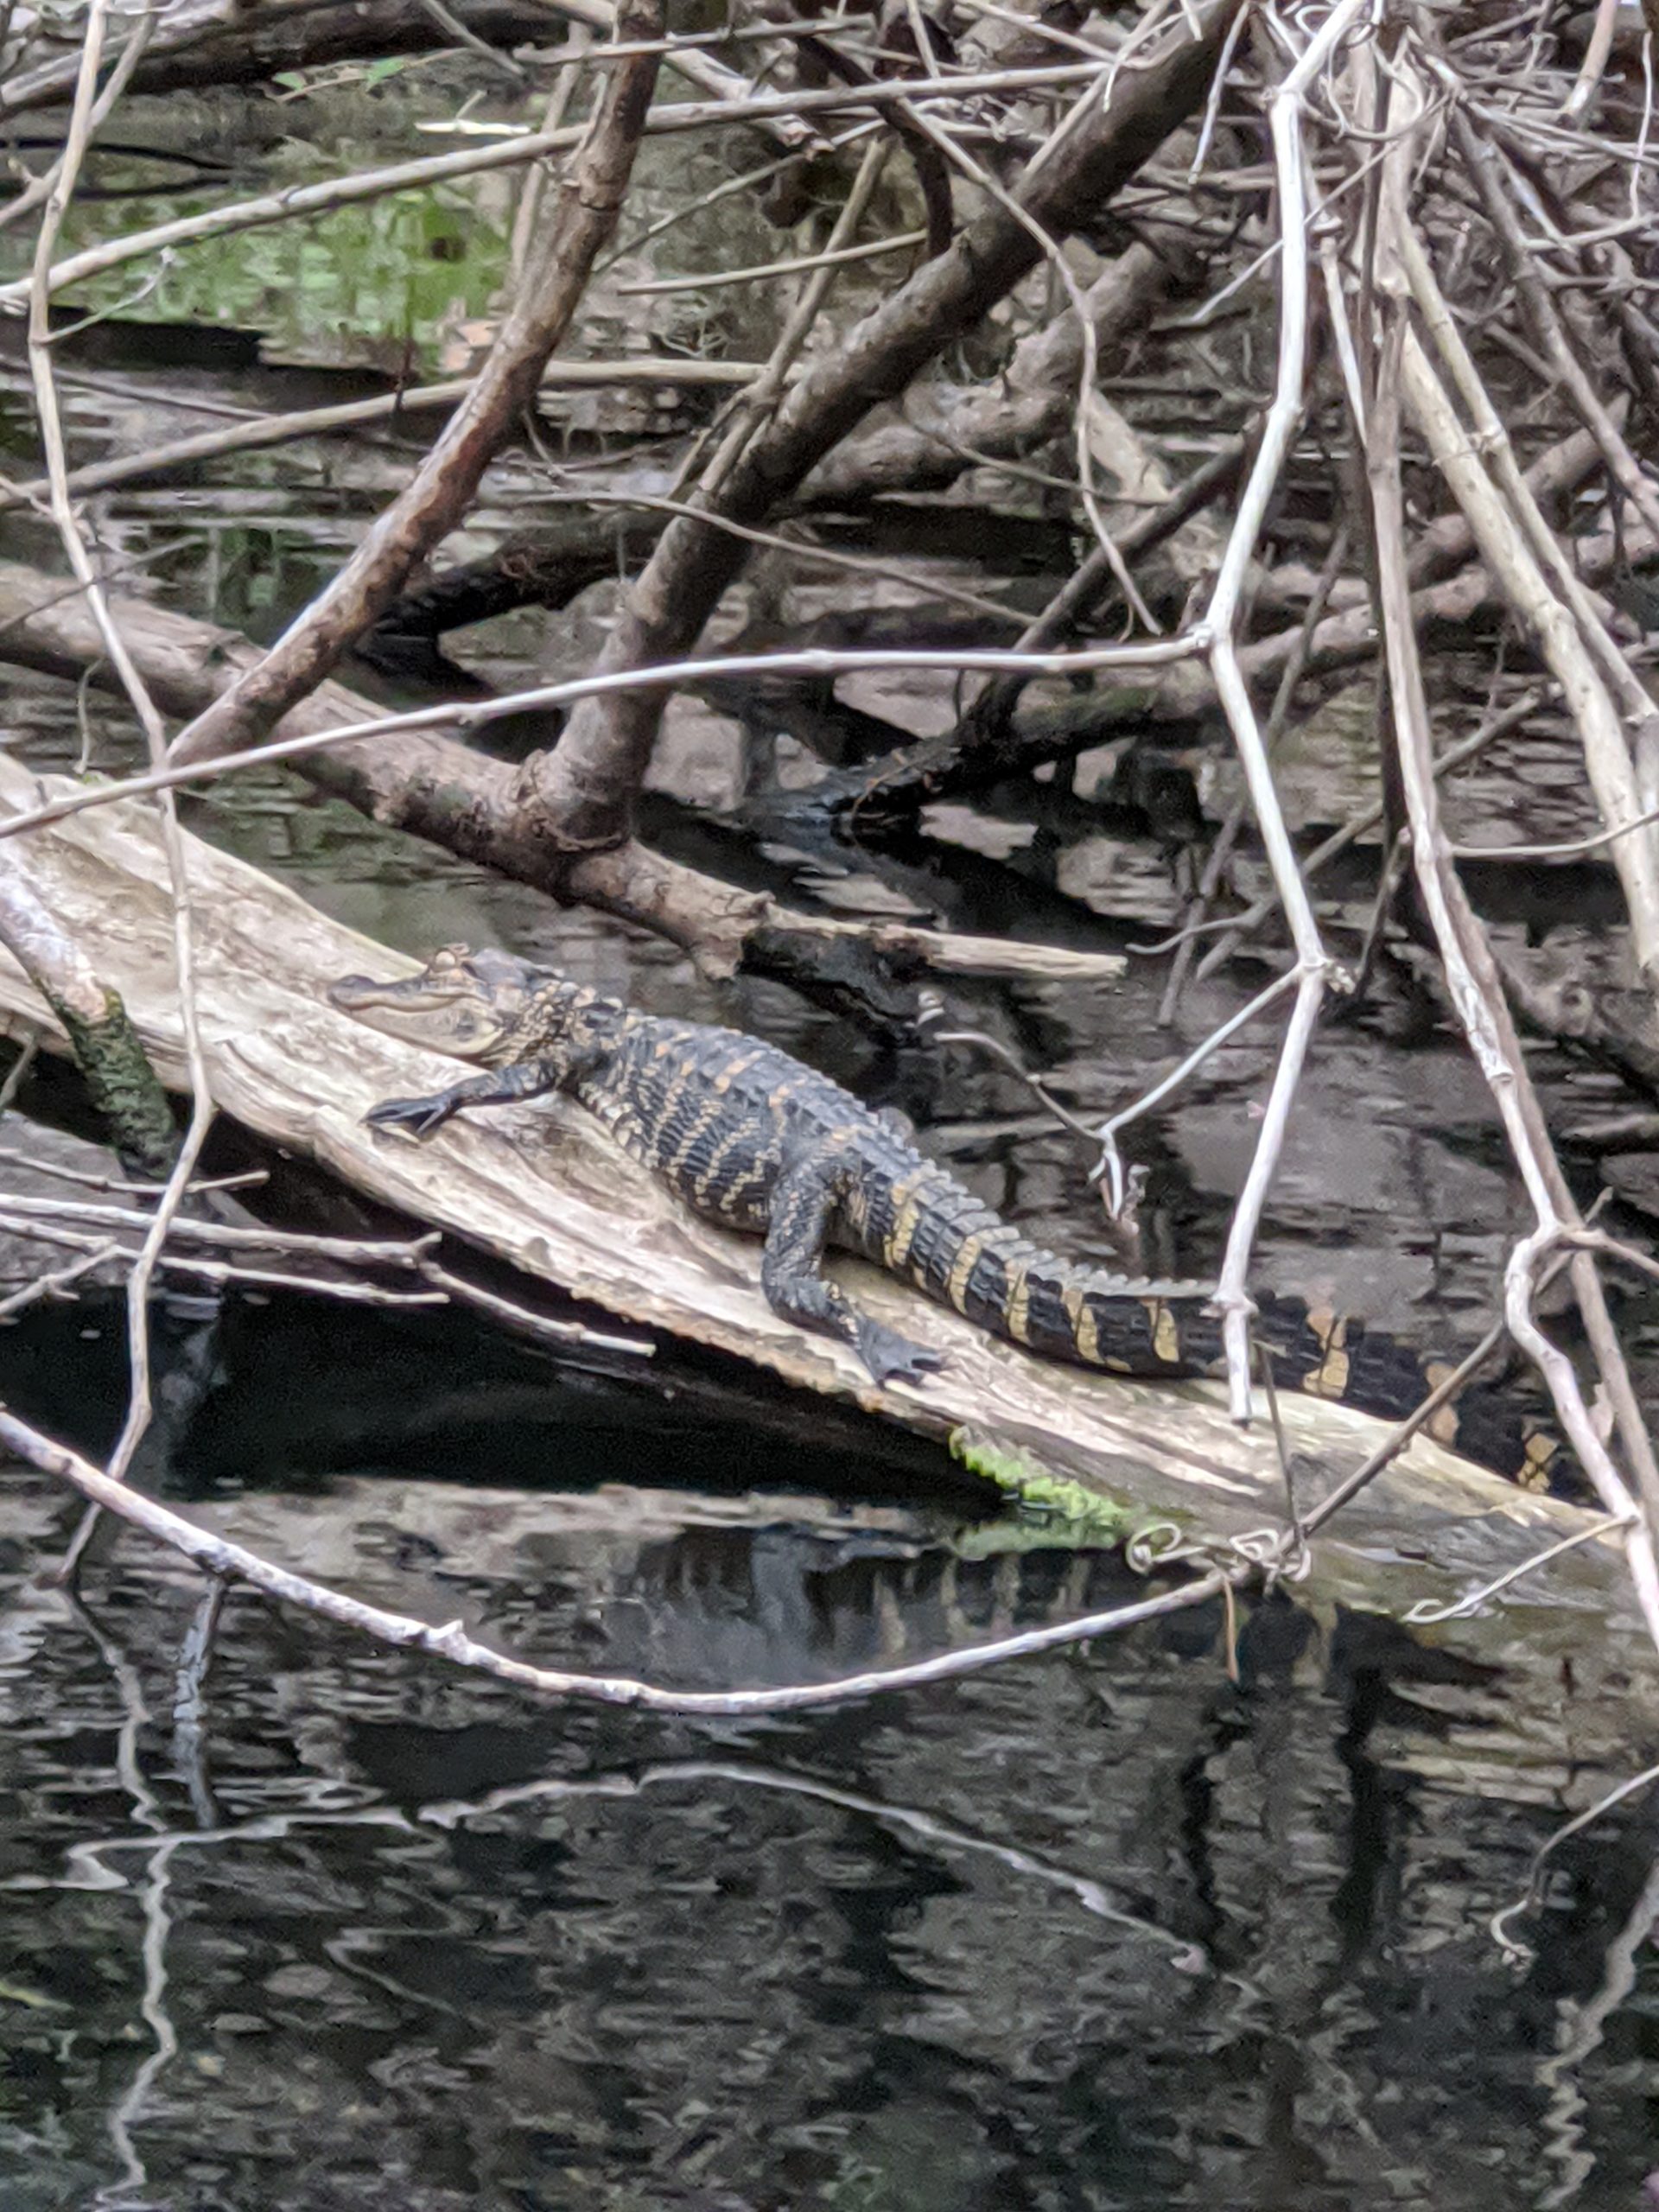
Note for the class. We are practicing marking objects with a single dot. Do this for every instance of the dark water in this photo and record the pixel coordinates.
(1099, 1931)
(344, 1928)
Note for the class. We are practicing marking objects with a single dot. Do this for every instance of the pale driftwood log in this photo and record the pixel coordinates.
(541, 1186)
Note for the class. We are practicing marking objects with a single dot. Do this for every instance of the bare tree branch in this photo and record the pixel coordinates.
(589, 200)
(583, 793)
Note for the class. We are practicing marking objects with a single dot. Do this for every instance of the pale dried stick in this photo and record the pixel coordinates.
(362, 1251)
(215, 1555)
(1476, 994)
(76, 139)
(1595, 61)
(223, 1274)
(808, 550)
(1522, 552)
(1429, 1613)
(1481, 161)
(1110, 1166)
(292, 202)
(59, 1282)
(1214, 866)
(1220, 623)
(1568, 849)
(1471, 977)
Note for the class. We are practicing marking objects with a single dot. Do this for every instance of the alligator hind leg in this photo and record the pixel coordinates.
(802, 1206)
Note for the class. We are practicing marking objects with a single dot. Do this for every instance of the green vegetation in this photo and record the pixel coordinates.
(1070, 1511)
(352, 287)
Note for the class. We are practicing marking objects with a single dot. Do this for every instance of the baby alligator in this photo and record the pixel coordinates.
(755, 1140)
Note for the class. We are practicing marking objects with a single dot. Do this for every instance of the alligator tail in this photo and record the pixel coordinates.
(1091, 1318)
(964, 1255)
(1329, 1355)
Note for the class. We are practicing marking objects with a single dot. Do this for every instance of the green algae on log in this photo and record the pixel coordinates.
(1078, 1514)
(124, 1087)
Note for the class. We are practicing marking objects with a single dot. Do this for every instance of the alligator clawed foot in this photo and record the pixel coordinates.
(893, 1358)
(419, 1116)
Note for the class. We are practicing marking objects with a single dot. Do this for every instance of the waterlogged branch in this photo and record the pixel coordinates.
(434, 787)
(42, 628)
(214, 1555)
(963, 759)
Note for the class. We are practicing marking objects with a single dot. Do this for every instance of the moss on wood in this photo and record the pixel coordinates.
(124, 1088)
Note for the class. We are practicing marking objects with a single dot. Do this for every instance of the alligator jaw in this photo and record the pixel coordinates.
(362, 994)
(445, 1012)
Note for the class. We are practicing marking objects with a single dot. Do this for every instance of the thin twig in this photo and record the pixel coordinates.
(217, 1556)
(1154, 652)
(1471, 973)
(713, 280)
(1220, 623)
(76, 140)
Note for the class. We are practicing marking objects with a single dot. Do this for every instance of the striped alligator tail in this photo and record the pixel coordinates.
(996, 1278)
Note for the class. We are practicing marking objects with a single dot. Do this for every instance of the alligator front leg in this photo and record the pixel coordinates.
(421, 1116)
(803, 1205)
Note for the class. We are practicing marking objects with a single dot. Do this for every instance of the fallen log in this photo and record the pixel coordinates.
(539, 1185)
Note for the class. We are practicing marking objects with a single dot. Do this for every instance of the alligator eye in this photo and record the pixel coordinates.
(443, 960)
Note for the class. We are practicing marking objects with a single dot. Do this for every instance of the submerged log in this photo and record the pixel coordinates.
(540, 1186)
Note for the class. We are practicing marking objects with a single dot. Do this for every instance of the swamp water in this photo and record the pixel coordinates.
(340, 1928)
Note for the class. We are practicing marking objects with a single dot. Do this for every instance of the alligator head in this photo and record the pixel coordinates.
(467, 1004)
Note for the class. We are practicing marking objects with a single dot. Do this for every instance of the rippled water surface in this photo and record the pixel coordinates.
(339, 1927)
